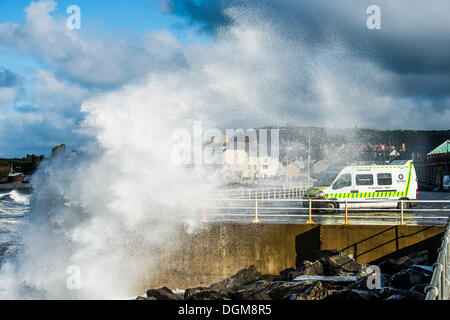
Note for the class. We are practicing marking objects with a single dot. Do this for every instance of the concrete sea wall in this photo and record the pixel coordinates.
(220, 250)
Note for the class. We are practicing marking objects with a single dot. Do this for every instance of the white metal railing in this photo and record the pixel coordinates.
(438, 289)
(266, 193)
(257, 208)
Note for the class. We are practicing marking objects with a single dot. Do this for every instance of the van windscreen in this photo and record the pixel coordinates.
(325, 179)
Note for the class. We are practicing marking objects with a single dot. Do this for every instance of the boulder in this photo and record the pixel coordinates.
(396, 297)
(352, 295)
(270, 277)
(280, 289)
(325, 254)
(420, 257)
(308, 268)
(387, 292)
(315, 291)
(341, 264)
(405, 262)
(238, 280)
(253, 294)
(162, 294)
(202, 293)
(407, 278)
(389, 267)
(287, 274)
(420, 288)
(256, 285)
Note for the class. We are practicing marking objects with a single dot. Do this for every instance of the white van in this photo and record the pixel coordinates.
(361, 185)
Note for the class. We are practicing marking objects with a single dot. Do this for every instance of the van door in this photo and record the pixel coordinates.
(342, 186)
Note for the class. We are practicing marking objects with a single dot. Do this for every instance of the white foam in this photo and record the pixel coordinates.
(115, 209)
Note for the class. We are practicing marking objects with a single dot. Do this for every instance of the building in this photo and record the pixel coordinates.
(59, 150)
(237, 164)
(432, 169)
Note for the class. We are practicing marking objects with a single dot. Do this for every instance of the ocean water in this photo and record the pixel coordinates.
(14, 215)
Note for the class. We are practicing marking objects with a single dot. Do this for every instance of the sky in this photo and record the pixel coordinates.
(397, 77)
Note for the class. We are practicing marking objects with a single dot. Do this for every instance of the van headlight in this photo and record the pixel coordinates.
(320, 195)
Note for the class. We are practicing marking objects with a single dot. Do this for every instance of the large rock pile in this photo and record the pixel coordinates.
(332, 275)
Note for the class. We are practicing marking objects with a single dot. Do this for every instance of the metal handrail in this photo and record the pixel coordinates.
(438, 288)
(268, 208)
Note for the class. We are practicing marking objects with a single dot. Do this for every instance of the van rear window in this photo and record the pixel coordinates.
(384, 179)
(364, 179)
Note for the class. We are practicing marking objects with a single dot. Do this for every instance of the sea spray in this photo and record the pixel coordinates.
(112, 209)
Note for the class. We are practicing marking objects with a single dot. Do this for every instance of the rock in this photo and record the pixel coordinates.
(412, 296)
(278, 290)
(256, 285)
(270, 277)
(420, 257)
(162, 294)
(419, 288)
(407, 278)
(308, 268)
(315, 291)
(387, 292)
(389, 267)
(343, 264)
(238, 280)
(287, 274)
(254, 294)
(405, 262)
(352, 295)
(325, 254)
(202, 293)
(396, 297)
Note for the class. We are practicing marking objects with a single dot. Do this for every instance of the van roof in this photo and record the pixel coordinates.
(381, 163)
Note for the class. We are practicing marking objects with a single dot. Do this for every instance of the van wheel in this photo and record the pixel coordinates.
(406, 205)
(331, 207)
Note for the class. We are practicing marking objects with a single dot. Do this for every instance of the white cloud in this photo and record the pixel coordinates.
(7, 95)
(58, 95)
(89, 60)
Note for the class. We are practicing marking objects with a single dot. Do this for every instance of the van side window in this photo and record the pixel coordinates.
(384, 179)
(344, 180)
(364, 179)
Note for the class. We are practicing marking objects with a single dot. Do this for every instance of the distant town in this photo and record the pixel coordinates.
(305, 153)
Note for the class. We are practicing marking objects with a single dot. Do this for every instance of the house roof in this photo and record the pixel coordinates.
(443, 148)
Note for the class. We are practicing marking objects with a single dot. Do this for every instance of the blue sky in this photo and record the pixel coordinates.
(113, 16)
(117, 20)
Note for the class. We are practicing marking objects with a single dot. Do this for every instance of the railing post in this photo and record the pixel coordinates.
(256, 220)
(310, 221)
(402, 222)
(346, 222)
